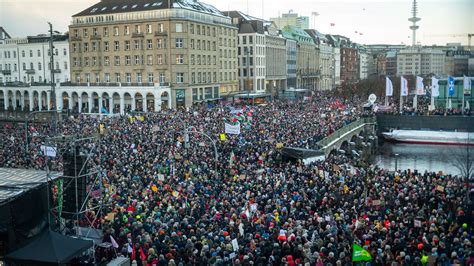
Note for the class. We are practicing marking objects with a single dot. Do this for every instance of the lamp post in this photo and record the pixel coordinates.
(396, 161)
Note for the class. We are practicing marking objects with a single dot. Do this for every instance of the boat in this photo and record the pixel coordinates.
(430, 137)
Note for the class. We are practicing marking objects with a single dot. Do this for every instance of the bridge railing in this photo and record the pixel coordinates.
(338, 133)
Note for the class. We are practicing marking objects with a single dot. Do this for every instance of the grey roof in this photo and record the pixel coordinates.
(121, 6)
(14, 182)
(5, 33)
(248, 24)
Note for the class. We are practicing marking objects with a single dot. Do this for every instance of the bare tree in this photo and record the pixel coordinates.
(463, 160)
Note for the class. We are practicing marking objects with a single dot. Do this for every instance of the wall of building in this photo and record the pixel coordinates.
(291, 66)
(275, 54)
(349, 66)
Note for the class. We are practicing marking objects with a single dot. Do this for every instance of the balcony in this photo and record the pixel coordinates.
(96, 37)
(78, 38)
(138, 35)
(6, 72)
(161, 33)
(30, 71)
(57, 70)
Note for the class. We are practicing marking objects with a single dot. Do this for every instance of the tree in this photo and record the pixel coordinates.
(463, 160)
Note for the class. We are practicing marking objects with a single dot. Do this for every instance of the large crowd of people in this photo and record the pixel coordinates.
(168, 201)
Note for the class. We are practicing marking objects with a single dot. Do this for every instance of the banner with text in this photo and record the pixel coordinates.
(232, 129)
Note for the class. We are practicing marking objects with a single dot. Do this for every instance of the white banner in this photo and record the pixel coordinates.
(434, 87)
(232, 129)
(403, 86)
(420, 88)
(388, 87)
(48, 151)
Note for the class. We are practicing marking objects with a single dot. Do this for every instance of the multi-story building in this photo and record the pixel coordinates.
(420, 61)
(189, 47)
(307, 61)
(349, 59)
(276, 59)
(391, 63)
(291, 48)
(27, 59)
(457, 62)
(251, 52)
(291, 19)
(4, 35)
(325, 59)
(470, 64)
(362, 62)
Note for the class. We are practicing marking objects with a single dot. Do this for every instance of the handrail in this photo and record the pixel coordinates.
(338, 133)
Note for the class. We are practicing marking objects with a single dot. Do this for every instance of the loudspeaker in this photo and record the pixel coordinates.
(73, 178)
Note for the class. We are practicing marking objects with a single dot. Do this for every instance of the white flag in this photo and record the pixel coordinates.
(388, 87)
(420, 89)
(114, 243)
(403, 86)
(434, 87)
(48, 151)
(467, 86)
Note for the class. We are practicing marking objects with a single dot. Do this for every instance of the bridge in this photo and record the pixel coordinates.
(356, 138)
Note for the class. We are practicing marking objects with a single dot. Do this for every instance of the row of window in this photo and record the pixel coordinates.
(10, 54)
(126, 30)
(258, 39)
(128, 78)
(32, 67)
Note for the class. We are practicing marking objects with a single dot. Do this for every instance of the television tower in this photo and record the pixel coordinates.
(414, 19)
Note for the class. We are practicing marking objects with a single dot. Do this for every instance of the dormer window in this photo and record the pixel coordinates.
(125, 6)
(94, 9)
(134, 6)
(146, 5)
(104, 8)
(115, 7)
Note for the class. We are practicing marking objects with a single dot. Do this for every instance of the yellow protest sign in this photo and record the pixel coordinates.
(222, 137)
(175, 194)
(154, 188)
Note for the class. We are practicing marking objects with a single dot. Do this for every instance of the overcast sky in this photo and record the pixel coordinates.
(380, 21)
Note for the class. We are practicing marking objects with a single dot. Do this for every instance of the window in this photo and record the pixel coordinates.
(117, 77)
(106, 46)
(139, 77)
(94, 31)
(162, 78)
(160, 27)
(78, 78)
(149, 60)
(150, 78)
(64, 51)
(22, 54)
(86, 47)
(31, 53)
(179, 59)
(179, 77)
(199, 77)
(86, 61)
(179, 42)
(126, 30)
(88, 77)
(137, 60)
(137, 44)
(127, 60)
(149, 44)
(192, 59)
(94, 46)
(148, 29)
(85, 33)
(159, 43)
(97, 78)
(116, 31)
(127, 45)
(159, 59)
(117, 60)
(191, 44)
(128, 77)
(106, 61)
(65, 65)
(179, 27)
(116, 45)
(138, 29)
(39, 53)
(39, 66)
(198, 30)
(193, 78)
(198, 59)
(76, 33)
(106, 31)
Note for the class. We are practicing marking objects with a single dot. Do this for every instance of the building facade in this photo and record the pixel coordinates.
(457, 62)
(276, 59)
(325, 63)
(291, 63)
(307, 58)
(27, 60)
(420, 61)
(291, 19)
(363, 62)
(189, 48)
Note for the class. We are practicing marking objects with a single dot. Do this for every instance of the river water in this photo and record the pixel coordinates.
(433, 158)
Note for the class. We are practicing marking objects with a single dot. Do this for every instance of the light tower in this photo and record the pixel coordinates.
(414, 19)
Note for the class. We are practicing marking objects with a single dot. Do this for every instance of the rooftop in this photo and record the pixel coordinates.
(122, 6)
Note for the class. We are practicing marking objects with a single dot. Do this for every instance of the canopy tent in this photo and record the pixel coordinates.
(49, 247)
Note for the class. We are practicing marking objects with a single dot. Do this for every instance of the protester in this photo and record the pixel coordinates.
(169, 202)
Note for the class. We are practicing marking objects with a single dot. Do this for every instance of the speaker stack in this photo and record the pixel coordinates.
(73, 162)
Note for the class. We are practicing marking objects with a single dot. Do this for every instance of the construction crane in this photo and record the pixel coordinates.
(469, 36)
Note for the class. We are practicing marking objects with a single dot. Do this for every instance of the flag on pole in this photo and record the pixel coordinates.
(231, 159)
(403, 86)
(388, 87)
(434, 87)
(467, 86)
(420, 88)
(450, 86)
(114, 243)
(360, 254)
